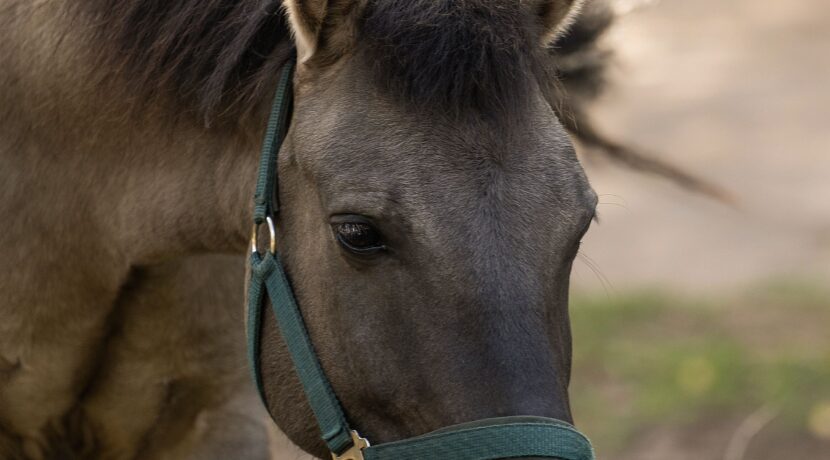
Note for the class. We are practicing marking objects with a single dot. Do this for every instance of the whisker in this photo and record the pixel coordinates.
(623, 203)
(606, 284)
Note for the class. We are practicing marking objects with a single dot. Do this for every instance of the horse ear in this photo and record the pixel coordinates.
(322, 24)
(556, 16)
(306, 17)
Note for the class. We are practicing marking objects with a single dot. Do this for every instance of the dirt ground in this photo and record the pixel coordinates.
(737, 92)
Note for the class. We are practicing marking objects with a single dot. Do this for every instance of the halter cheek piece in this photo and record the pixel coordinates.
(489, 439)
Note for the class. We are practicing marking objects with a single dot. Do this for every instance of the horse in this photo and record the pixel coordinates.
(431, 206)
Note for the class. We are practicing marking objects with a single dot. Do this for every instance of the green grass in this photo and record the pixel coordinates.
(649, 358)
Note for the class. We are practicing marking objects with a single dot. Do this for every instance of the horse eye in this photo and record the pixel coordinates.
(358, 237)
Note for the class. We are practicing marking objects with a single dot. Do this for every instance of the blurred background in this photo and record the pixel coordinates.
(702, 329)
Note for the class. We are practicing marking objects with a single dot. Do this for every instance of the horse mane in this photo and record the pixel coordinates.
(213, 57)
(455, 56)
(219, 58)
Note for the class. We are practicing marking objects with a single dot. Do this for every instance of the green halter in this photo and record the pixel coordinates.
(490, 439)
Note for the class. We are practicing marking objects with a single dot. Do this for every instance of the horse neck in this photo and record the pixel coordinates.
(144, 184)
(163, 191)
(184, 189)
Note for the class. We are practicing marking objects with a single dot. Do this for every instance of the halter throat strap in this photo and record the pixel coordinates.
(490, 439)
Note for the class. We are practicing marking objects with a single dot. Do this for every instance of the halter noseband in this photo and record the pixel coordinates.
(489, 439)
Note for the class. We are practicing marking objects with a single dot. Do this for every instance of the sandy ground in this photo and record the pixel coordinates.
(737, 92)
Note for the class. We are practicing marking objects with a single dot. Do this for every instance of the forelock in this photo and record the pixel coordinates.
(454, 55)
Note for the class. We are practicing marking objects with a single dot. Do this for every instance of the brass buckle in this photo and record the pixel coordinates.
(272, 233)
(356, 451)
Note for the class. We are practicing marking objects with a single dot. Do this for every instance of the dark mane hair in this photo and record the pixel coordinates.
(455, 56)
(214, 56)
(219, 58)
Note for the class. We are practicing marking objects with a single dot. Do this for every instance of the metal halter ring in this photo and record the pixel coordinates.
(272, 246)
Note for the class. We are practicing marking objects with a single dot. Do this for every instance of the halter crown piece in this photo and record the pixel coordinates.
(489, 439)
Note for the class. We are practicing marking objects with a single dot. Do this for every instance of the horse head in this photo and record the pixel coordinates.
(431, 206)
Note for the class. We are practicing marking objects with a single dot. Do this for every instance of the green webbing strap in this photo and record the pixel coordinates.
(267, 179)
(267, 275)
(499, 438)
(324, 403)
(264, 205)
(255, 292)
